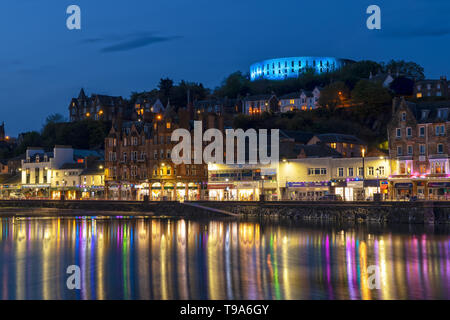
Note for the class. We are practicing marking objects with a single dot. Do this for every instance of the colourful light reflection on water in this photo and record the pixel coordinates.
(186, 259)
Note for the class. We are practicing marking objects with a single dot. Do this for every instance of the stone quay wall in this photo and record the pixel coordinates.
(420, 212)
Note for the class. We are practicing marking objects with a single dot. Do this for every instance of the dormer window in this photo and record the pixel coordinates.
(424, 114)
(442, 113)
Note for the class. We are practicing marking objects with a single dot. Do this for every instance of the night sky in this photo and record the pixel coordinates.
(127, 46)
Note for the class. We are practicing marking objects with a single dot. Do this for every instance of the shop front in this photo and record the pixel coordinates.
(438, 190)
(306, 191)
(372, 187)
(222, 191)
(37, 191)
(403, 190)
(92, 192)
(248, 191)
(113, 191)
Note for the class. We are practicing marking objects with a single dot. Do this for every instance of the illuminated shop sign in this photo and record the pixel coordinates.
(307, 184)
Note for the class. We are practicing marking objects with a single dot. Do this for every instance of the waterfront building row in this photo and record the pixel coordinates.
(301, 179)
(65, 173)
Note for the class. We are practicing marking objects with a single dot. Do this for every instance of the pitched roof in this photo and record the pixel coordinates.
(10, 178)
(317, 151)
(83, 153)
(428, 112)
(297, 136)
(337, 137)
(293, 95)
(259, 97)
(68, 166)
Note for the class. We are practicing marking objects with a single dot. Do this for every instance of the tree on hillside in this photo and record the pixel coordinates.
(196, 91)
(235, 84)
(370, 93)
(28, 139)
(408, 69)
(334, 95)
(165, 87)
(55, 118)
(361, 69)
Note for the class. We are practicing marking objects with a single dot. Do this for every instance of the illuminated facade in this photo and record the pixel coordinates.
(419, 147)
(242, 182)
(282, 68)
(351, 178)
(139, 163)
(305, 100)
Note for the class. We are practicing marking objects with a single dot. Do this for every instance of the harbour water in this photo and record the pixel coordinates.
(149, 258)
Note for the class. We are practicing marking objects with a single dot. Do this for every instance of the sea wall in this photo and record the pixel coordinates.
(383, 212)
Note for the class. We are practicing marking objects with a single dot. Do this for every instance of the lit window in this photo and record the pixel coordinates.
(350, 172)
(419, 95)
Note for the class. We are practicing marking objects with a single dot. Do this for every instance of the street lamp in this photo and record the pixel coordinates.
(363, 152)
(262, 191)
(378, 180)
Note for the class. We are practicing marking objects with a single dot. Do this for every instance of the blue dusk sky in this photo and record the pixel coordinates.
(127, 46)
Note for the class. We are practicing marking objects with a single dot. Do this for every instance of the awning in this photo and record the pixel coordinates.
(307, 184)
(403, 185)
(371, 183)
(439, 185)
(220, 186)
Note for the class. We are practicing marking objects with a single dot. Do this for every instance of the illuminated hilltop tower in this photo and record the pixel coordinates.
(282, 68)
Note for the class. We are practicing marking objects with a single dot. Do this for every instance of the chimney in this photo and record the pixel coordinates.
(395, 102)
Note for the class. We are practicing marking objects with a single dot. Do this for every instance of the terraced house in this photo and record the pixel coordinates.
(419, 149)
(138, 159)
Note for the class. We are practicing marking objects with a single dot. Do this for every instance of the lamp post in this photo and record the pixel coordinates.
(262, 187)
(378, 180)
(363, 152)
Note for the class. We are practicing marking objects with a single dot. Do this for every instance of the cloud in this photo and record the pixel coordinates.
(116, 43)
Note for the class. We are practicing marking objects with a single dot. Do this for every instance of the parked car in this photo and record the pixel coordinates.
(331, 197)
(16, 196)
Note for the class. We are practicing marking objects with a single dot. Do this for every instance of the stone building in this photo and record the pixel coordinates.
(99, 107)
(138, 160)
(419, 148)
(432, 88)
